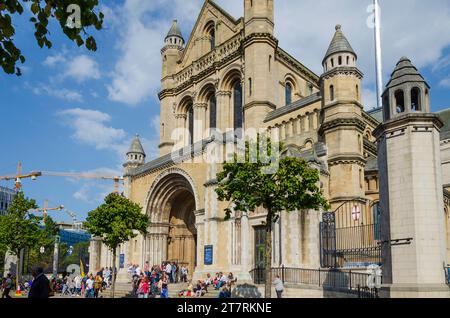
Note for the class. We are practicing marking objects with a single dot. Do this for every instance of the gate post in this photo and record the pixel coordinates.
(319, 277)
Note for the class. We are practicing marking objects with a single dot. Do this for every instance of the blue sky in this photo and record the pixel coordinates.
(77, 111)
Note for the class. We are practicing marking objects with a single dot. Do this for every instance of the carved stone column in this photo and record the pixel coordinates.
(223, 110)
(199, 121)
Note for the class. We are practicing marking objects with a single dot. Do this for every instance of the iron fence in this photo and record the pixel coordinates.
(346, 281)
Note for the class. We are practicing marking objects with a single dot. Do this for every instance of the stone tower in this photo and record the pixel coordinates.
(135, 158)
(411, 188)
(171, 54)
(343, 125)
(259, 46)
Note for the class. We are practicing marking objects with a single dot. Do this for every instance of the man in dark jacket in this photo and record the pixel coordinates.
(40, 289)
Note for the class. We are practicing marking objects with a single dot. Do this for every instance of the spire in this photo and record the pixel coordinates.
(175, 31)
(405, 72)
(136, 147)
(339, 44)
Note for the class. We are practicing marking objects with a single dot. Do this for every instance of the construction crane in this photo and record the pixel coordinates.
(85, 176)
(46, 209)
(19, 176)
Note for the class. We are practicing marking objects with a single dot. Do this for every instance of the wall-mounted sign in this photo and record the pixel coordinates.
(122, 261)
(208, 255)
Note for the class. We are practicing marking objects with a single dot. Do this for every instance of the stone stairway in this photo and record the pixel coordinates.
(123, 290)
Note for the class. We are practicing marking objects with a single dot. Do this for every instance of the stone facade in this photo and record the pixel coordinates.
(232, 74)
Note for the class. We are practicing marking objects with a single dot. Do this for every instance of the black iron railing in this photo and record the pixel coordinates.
(344, 281)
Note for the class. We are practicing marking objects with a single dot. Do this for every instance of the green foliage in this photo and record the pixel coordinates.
(259, 177)
(43, 11)
(117, 221)
(2, 260)
(80, 252)
(19, 229)
(291, 184)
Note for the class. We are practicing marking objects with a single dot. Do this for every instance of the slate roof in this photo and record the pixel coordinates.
(136, 146)
(294, 106)
(175, 30)
(339, 44)
(405, 72)
(445, 116)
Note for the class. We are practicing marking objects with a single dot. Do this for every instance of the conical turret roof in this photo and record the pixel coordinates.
(339, 44)
(405, 72)
(136, 146)
(175, 30)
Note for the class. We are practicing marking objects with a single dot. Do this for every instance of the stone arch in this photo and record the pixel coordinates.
(206, 91)
(171, 204)
(185, 101)
(232, 74)
(160, 186)
(309, 144)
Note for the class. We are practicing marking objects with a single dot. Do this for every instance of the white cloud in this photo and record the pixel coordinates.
(369, 98)
(415, 28)
(61, 93)
(82, 68)
(445, 82)
(51, 61)
(79, 68)
(90, 128)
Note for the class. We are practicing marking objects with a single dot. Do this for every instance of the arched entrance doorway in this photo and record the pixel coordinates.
(182, 239)
(173, 234)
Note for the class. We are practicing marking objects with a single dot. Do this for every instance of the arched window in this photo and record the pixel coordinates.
(211, 33)
(357, 92)
(331, 93)
(399, 101)
(238, 110)
(415, 100)
(212, 112)
(288, 94)
(190, 118)
(340, 60)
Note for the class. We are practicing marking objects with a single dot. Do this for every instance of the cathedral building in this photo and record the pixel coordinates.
(232, 75)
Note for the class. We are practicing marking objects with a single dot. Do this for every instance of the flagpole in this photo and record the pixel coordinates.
(378, 57)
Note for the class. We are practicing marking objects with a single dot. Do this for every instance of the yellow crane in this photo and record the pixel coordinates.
(45, 209)
(19, 176)
(85, 176)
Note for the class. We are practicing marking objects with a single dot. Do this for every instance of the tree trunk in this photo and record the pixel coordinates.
(268, 265)
(17, 270)
(113, 287)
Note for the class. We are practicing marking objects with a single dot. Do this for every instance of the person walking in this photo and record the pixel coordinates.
(168, 271)
(90, 287)
(164, 288)
(40, 288)
(174, 272)
(7, 286)
(98, 281)
(143, 288)
(279, 288)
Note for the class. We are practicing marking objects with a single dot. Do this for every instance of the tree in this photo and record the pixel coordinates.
(284, 184)
(80, 251)
(116, 221)
(47, 241)
(73, 17)
(20, 230)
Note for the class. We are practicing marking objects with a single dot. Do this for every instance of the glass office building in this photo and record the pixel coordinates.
(6, 198)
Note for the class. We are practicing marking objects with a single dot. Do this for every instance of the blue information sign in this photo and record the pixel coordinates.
(122, 261)
(208, 255)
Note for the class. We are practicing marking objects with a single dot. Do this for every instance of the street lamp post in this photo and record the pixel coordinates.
(56, 256)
